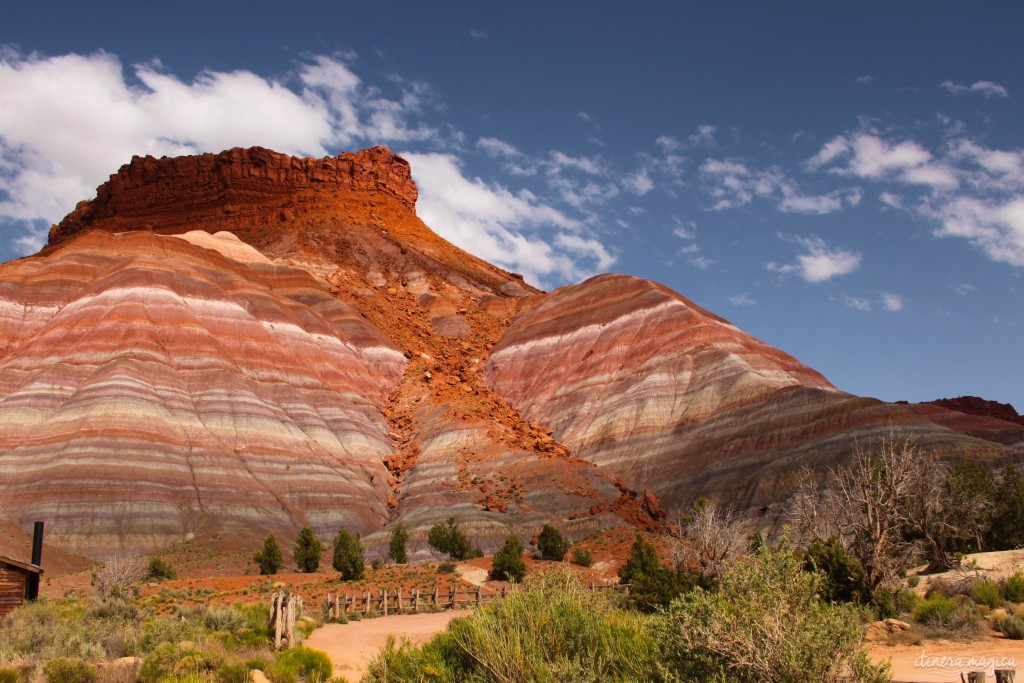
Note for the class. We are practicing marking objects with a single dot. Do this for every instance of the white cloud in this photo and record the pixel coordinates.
(513, 230)
(820, 263)
(67, 122)
(732, 183)
(705, 136)
(867, 155)
(986, 88)
(893, 302)
(857, 303)
(742, 299)
(477, 33)
(639, 182)
(684, 230)
(702, 262)
(996, 226)
(867, 79)
(891, 200)
(668, 143)
(497, 148)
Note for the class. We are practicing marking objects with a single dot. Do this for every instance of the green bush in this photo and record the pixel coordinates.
(159, 569)
(583, 638)
(9, 674)
(306, 663)
(446, 568)
(843, 574)
(169, 660)
(308, 551)
(949, 613)
(651, 585)
(508, 564)
(236, 672)
(985, 592)
(349, 555)
(397, 544)
(1012, 588)
(268, 559)
(449, 540)
(62, 670)
(230, 619)
(1012, 627)
(582, 557)
(552, 544)
(764, 622)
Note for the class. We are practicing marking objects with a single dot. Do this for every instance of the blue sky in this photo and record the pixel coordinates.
(844, 181)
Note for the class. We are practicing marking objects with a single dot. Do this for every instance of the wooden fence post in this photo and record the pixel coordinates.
(435, 598)
(1006, 675)
(416, 603)
(366, 609)
(384, 602)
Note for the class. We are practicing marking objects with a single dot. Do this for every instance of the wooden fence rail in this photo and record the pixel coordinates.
(386, 602)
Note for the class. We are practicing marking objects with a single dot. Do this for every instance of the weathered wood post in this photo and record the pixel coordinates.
(366, 607)
(435, 598)
(283, 608)
(478, 595)
(974, 677)
(453, 596)
(1006, 675)
(384, 602)
(416, 602)
(398, 601)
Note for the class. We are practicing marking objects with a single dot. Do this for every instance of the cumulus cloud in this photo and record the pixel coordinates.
(68, 121)
(986, 88)
(742, 299)
(513, 230)
(993, 225)
(857, 303)
(866, 155)
(893, 302)
(820, 262)
(732, 183)
(705, 136)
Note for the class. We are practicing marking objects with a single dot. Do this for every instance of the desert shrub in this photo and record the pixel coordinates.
(305, 663)
(1012, 587)
(162, 630)
(268, 559)
(1012, 627)
(913, 581)
(349, 555)
(843, 575)
(231, 619)
(448, 539)
(552, 544)
(62, 670)
(169, 660)
(47, 629)
(397, 544)
(985, 592)
(651, 585)
(233, 672)
(584, 638)
(764, 622)
(947, 613)
(9, 674)
(582, 557)
(377, 564)
(159, 569)
(308, 551)
(446, 568)
(508, 564)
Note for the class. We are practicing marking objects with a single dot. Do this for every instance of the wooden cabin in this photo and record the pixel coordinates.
(16, 578)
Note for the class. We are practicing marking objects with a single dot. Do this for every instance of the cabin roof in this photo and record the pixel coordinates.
(18, 564)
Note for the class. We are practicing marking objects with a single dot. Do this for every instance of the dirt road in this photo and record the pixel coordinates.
(942, 661)
(351, 645)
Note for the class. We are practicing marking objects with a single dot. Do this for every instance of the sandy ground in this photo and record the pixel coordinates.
(350, 645)
(923, 663)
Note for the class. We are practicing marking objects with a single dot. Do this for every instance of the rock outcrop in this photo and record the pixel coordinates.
(236, 189)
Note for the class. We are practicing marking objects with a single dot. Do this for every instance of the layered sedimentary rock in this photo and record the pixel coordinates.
(151, 389)
(653, 389)
(242, 342)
